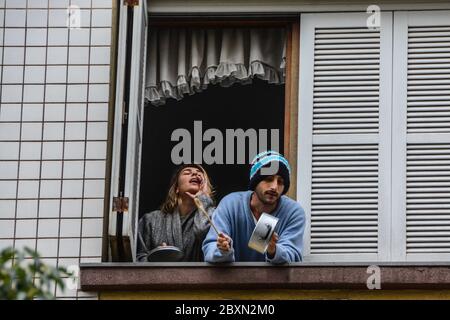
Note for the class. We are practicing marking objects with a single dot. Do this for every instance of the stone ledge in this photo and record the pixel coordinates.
(182, 276)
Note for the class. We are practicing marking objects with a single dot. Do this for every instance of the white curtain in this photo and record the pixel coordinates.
(184, 61)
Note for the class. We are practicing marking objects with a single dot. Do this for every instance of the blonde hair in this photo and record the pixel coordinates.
(172, 198)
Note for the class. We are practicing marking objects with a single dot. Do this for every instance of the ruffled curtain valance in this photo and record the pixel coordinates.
(185, 61)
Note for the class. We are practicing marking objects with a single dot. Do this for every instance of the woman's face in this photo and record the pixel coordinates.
(191, 180)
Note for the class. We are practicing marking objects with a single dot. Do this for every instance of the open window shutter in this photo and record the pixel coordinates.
(136, 120)
(128, 131)
(421, 138)
(344, 136)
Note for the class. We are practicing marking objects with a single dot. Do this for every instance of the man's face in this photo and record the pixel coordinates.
(270, 189)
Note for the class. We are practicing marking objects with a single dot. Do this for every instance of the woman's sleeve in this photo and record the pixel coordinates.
(143, 239)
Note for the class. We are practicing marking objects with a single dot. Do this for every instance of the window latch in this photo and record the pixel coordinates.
(125, 117)
(124, 113)
(131, 3)
(120, 204)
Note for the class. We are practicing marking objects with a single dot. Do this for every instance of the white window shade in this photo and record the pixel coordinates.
(186, 60)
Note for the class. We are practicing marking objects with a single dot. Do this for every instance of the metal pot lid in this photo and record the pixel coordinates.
(165, 254)
(262, 233)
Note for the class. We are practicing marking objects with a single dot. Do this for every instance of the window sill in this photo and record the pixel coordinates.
(180, 276)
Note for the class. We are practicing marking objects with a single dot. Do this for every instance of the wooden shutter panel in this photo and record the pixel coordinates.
(428, 87)
(344, 125)
(344, 199)
(422, 96)
(346, 80)
(428, 198)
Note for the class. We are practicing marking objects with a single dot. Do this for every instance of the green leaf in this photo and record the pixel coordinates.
(23, 279)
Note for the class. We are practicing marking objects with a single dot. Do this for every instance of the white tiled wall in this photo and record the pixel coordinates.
(54, 91)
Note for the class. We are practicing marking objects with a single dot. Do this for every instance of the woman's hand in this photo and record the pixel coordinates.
(204, 189)
(193, 196)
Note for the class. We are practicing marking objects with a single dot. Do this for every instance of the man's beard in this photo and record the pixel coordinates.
(261, 197)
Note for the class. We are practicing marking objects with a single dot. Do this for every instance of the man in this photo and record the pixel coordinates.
(238, 212)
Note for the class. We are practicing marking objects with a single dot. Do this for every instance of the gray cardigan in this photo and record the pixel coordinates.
(187, 234)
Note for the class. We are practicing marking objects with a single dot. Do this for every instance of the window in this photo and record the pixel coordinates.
(373, 136)
(259, 105)
(373, 159)
(134, 141)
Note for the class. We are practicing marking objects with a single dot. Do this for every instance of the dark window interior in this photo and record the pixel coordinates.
(259, 105)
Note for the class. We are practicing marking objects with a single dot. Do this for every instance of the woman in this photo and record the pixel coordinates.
(179, 223)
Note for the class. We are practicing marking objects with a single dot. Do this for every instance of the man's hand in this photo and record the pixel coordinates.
(272, 248)
(223, 242)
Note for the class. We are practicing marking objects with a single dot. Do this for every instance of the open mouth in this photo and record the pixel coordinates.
(196, 180)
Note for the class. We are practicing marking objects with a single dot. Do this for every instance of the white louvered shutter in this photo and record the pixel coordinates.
(344, 136)
(422, 135)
